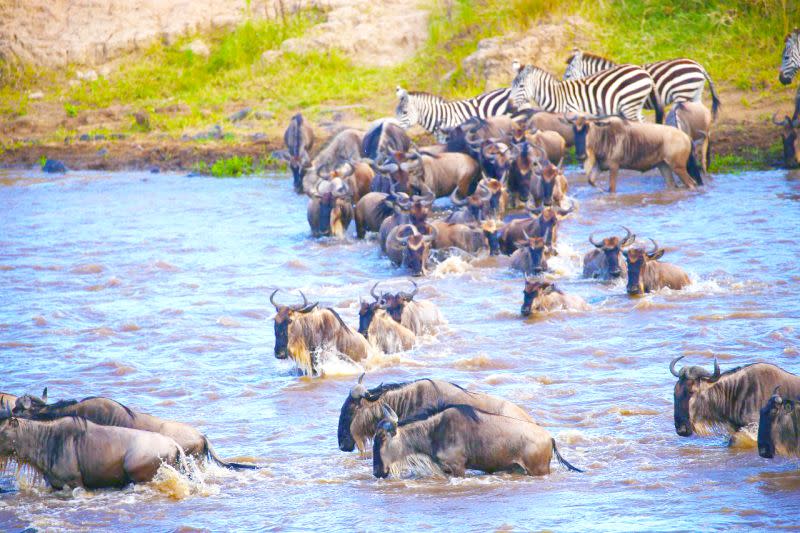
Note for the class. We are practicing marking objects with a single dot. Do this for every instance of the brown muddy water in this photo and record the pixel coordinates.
(153, 290)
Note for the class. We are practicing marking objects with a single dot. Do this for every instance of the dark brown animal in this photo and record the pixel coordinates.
(606, 260)
(791, 140)
(544, 297)
(779, 426)
(406, 246)
(330, 208)
(694, 119)
(647, 274)
(299, 140)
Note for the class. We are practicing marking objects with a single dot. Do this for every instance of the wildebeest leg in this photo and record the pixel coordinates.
(613, 172)
(140, 469)
(687, 180)
(591, 176)
(453, 463)
(666, 173)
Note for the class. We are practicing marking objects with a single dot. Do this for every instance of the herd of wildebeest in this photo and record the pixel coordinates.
(501, 152)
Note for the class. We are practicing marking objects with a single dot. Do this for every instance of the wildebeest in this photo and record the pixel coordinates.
(386, 334)
(531, 255)
(301, 330)
(384, 137)
(460, 437)
(330, 208)
(545, 224)
(728, 401)
(343, 147)
(471, 238)
(420, 316)
(412, 210)
(548, 187)
(791, 140)
(407, 246)
(470, 209)
(695, 120)
(357, 175)
(361, 411)
(613, 143)
(299, 140)
(74, 452)
(8, 399)
(779, 427)
(606, 260)
(107, 412)
(647, 274)
(443, 173)
(543, 296)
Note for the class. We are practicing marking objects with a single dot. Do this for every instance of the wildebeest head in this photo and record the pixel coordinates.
(496, 158)
(533, 292)
(395, 303)
(421, 208)
(492, 193)
(637, 259)
(8, 430)
(691, 380)
(790, 60)
(580, 128)
(382, 456)
(551, 193)
(791, 141)
(334, 195)
(285, 314)
(536, 247)
(357, 395)
(474, 203)
(773, 415)
(416, 247)
(491, 230)
(612, 248)
(548, 220)
(367, 310)
(29, 405)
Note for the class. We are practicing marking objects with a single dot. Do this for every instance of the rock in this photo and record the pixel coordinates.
(270, 56)
(118, 136)
(173, 109)
(258, 136)
(87, 75)
(215, 132)
(36, 95)
(142, 119)
(545, 45)
(54, 166)
(67, 140)
(240, 115)
(99, 137)
(264, 115)
(155, 170)
(198, 47)
(85, 137)
(105, 71)
(185, 137)
(102, 152)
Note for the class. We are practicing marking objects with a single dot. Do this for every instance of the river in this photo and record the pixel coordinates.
(154, 290)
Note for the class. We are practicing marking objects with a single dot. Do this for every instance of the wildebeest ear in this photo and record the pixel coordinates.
(656, 256)
(44, 395)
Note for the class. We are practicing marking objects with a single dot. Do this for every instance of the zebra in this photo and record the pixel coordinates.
(620, 90)
(676, 80)
(434, 113)
(790, 64)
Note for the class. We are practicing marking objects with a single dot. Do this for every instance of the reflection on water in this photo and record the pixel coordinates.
(154, 291)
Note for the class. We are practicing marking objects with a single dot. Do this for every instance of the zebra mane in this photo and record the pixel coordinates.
(590, 55)
(430, 96)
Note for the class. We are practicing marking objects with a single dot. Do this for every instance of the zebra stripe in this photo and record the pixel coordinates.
(676, 80)
(622, 89)
(790, 64)
(434, 112)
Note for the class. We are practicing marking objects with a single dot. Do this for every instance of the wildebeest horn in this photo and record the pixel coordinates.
(391, 168)
(372, 292)
(407, 296)
(628, 239)
(672, 366)
(272, 296)
(591, 240)
(785, 122)
(454, 198)
(428, 197)
(361, 377)
(716, 374)
(571, 117)
(44, 395)
(359, 390)
(401, 233)
(525, 234)
(567, 211)
(655, 248)
(542, 152)
(430, 237)
(390, 415)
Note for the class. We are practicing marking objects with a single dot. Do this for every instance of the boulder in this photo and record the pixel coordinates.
(198, 48)
(54, 166)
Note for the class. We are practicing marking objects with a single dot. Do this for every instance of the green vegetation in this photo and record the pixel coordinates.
(748, 158)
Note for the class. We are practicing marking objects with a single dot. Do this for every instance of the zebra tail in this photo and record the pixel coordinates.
(693, 168)
(715, 102)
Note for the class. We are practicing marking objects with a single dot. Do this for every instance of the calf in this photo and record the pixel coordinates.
(543, 297)
(606, 260)
(647, 274)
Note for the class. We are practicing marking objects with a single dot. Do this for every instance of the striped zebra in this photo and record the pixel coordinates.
(676, 80)
(434, 112)
(620, 90)
(790, 64)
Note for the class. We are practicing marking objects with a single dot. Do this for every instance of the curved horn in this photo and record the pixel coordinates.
(591, 240)
(428, 197)
(430, 237)
(655, 248)
(389, 414)
(628, 239)
(408, 296)
(525, 234)
(272, 296)
(716, 370)
(672, 366)
(372, 292)
(361, 377)
(455, 200)
(542, 151)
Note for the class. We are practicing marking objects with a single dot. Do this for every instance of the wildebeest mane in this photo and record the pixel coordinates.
(466, 410)
(341, 322)
(382, 210)
(127, 410)
(372, 141)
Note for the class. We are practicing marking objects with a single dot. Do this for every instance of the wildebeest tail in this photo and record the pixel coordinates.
(561, 460)
(693, 168)
(225, 464)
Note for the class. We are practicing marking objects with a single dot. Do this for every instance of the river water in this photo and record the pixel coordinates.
(153, 290)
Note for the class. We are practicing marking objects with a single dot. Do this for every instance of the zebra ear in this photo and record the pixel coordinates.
(515, 66)
(401, 93)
